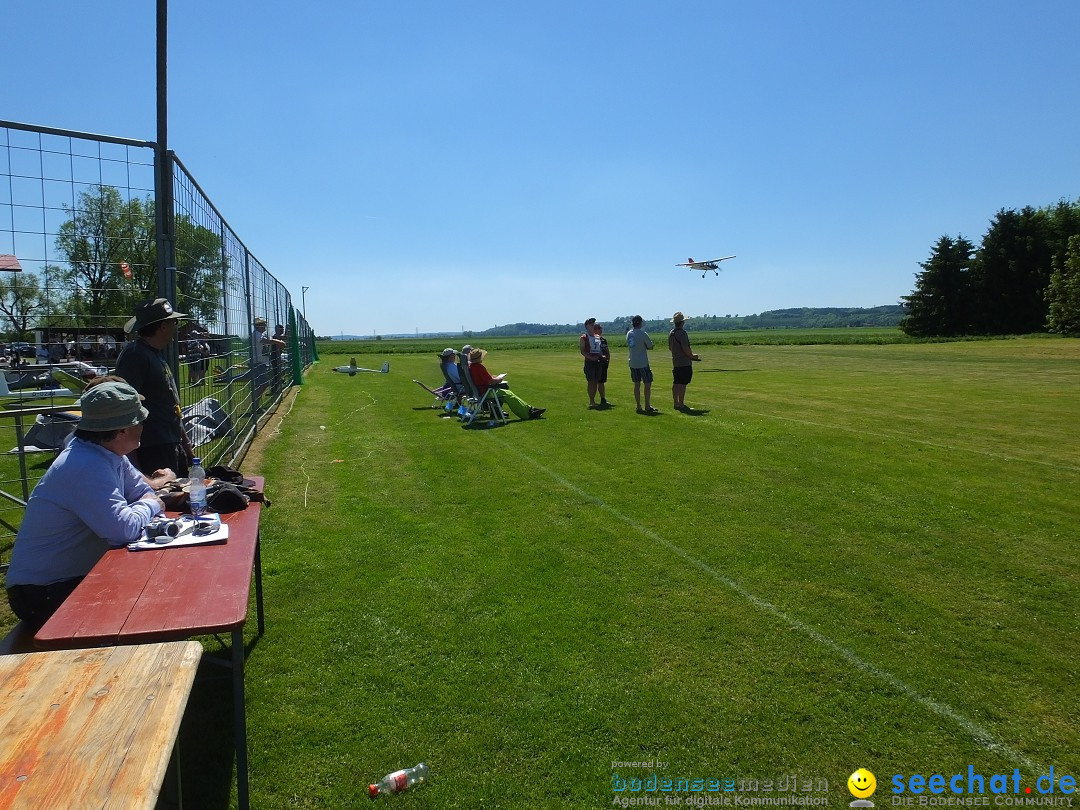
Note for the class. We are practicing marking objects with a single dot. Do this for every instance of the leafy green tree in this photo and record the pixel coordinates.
(1063, 292)
(22, 301)
(111, 252)
(101, 232)
(941, 301)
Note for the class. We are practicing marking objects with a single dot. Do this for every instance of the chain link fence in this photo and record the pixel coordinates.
(79, 239)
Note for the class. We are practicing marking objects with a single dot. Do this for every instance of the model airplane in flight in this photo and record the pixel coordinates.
(705, 267)
(352, 368)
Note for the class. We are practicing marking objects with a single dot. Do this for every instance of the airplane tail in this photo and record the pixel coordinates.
(690, 260)
(5, 391)
(75, 385)
(385, 368)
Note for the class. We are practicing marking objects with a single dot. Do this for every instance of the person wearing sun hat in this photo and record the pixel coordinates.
(682, 359)
(262, 346)
(90, 499)
(144, 365)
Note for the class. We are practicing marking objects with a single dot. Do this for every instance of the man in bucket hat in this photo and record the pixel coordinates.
(90, 499)
(143, 364)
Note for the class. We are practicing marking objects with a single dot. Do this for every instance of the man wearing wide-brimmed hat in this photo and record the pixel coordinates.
(143, 364)
(682, 359)
(91, 498)
(262, 346)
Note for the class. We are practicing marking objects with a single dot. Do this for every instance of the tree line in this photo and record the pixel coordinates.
(1024, 277)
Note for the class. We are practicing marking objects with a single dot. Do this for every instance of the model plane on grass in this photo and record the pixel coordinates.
(352, 368)
(705, 267)
(68, 385)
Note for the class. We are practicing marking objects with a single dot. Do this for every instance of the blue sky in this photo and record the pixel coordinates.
(449, 165)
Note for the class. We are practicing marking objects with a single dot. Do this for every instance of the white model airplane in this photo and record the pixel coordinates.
(352, 368)
(37, 393)
(705, 267)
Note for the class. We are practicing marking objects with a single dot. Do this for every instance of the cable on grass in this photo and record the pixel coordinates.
(322, 432)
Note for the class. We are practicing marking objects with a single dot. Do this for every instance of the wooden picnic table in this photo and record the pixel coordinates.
(171, 594)
(91, 728)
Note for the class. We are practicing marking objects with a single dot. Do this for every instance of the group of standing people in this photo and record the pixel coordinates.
(594, 349)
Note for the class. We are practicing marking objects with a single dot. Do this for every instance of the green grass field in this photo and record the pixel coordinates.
(849, 556)
(853, 555)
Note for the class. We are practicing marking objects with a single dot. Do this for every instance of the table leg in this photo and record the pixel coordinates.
(258, 585)
(239, 718)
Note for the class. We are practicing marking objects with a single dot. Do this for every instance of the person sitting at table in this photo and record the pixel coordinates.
(90, 499)
(484, 381)
(158, 478)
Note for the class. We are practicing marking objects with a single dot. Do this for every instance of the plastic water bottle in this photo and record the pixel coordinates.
(401, 780)
(197, 487)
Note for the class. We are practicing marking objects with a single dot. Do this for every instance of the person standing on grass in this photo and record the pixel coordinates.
(605, 361)
(682, 360)
(276, 350)
(639, 343)
(91, 499)
(262, 345)
(143, 364)
(592, 349)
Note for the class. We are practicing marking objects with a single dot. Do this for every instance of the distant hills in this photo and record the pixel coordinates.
(798, 318)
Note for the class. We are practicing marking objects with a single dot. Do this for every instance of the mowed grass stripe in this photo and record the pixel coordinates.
(982, 736)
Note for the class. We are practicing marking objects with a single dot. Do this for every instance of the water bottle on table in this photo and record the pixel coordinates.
(197, 487)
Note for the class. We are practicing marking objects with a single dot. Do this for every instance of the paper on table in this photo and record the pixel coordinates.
(187, 539)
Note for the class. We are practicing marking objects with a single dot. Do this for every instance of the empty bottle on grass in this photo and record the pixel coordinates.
(197, 487)
(401, 780)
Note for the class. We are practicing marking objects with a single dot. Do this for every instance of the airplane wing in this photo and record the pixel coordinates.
(712, 261)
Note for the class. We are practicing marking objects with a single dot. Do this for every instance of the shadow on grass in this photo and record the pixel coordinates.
(688, 411)
(207, 743)
(207, 752)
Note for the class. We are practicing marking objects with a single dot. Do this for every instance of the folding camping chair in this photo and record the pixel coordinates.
(449, 394)
(477, 404)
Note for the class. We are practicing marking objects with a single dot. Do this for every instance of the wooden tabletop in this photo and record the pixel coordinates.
(168, 594)
(93, 728)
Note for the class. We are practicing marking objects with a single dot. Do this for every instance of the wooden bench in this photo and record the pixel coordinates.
(19, 640)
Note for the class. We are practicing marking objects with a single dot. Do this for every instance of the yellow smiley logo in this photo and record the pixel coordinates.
(861, 783)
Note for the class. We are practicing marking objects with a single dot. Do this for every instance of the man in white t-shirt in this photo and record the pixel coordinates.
(262, 345)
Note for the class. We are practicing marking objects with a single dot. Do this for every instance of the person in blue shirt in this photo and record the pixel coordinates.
(91, 499)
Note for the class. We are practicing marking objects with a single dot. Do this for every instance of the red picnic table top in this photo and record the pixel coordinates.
(168, 594)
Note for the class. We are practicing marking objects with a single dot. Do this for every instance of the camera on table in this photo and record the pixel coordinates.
(162, 530)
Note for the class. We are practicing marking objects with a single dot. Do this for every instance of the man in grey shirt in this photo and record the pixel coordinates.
(639, 343)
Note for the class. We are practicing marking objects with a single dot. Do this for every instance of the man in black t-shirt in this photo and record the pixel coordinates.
(144, 366)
